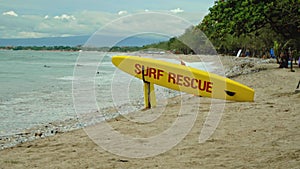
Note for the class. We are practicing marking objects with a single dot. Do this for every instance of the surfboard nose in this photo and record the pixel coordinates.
(117, 60)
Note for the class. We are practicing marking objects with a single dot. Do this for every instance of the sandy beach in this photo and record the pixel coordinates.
(260, 134)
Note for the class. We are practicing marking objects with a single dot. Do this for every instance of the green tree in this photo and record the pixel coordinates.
(264, 21)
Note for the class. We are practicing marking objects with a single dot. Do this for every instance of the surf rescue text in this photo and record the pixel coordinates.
(175, 78)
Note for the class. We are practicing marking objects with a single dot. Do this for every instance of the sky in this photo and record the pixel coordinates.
(61, 18)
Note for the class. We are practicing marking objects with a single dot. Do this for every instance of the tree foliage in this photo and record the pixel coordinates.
(174, 45)
(260, 22)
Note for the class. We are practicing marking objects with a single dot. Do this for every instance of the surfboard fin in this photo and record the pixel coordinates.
(229, 93)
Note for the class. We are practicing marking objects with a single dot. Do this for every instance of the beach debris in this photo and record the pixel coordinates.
(39, 132)
(123, 161)
(242, 66)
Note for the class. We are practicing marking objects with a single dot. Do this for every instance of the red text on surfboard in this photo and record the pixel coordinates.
(190, 82)
(174, 78)
(149, 71)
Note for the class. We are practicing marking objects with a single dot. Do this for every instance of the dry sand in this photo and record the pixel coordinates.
(262, 134)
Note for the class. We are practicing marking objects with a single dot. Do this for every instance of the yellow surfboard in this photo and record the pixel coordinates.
(183, 78)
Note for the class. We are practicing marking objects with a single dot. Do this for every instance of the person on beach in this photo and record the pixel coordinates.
(280, 62)
(247, 53)
(272, 53)
(284, 60)
(294, 56)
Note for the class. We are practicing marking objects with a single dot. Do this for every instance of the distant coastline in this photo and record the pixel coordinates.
(74, 48)
(42, 48)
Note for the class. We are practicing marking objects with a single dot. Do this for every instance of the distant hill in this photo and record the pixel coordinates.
(76, 40)
(53, 41)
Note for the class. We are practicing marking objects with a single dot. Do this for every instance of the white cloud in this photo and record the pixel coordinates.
(177, 10)
(88, 22)
(10, 13)
(122, 12)
(83, 23)
(65, 17)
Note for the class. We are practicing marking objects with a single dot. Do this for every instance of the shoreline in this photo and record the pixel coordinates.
(234, 67)
(262, 134)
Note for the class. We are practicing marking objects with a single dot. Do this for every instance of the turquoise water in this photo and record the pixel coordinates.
(36, 87)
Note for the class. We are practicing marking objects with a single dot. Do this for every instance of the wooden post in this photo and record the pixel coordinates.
(149, 95)
(149, 92)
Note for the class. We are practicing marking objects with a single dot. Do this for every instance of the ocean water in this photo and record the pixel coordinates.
(36, 87)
